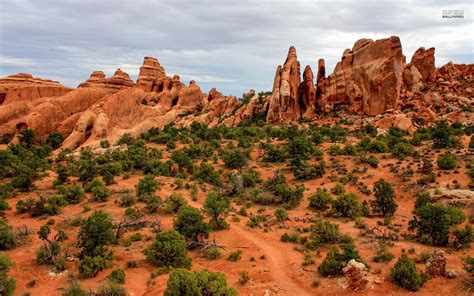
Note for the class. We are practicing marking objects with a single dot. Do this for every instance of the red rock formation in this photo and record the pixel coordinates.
(152, 75)
(424, 61)
(118, 81)
(367, 79)
(284, 104)
(21, 87)
(307, 94)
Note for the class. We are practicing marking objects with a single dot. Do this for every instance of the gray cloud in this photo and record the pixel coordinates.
(232, 45)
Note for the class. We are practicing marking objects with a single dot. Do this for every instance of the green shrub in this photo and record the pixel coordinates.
(218, 207)
(251, 177)
(235, 158)
(447, 161)
(320, 200)
(73, 194)
(402, 150)
(117, 276)
(235, 256)
(422, 199)
(8, 238)
(383, 255)
(174, 202)
(95, 236)
(347, 205)
(147, 186)
(324, 232)
(281, 214)
(190, 223)
(201, 282)
(432, 222)
(404, 273)
(55, 139)
(213, 253)
(7, 284)
(208, 174)
(73, 289)
(100, 192)
(332, 264)
(168, 250)
(384, 202)
(111, 289)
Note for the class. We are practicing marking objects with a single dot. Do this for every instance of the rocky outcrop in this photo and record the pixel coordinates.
(25, 87)
(217, 109)
(47, 114)
(307, 94)
(284, 104)
(118, 81)
(436, 265)
(152, 76)
(356, 275)
(367, 79)
(424, 61)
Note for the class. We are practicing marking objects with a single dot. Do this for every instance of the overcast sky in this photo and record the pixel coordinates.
(232, 45)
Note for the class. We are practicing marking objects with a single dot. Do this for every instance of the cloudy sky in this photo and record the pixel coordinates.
(232, 45)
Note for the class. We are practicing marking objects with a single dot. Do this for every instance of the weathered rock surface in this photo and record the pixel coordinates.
(367, 79)
(118, 81)
(356, 275)
(25, 87)
(371, 79)
(284, 104)
(424, 60)
(436, 265)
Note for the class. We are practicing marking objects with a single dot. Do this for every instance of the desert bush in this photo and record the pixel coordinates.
(320, 200)
(384, 202)
(213, 253)
(168, 250)
(235, 256)
(404, 274)
(346, 205)
(218, 207)
(324, 232)
(432, 222)
(8, 238)
(251, 177)
(235, 158)
(117, 276)
(55, 139)
(7, 284)
(174, 202)
(281, 214)
(207, 173)
(274, 154)
(190, 223)
(147, 186)
(201, 282)
(447, 161)
(332, 264)
(402, 150)
(95, 236)
(73, 194)
(383, 255)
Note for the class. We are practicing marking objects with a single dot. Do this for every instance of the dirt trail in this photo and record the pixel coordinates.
(280, 266)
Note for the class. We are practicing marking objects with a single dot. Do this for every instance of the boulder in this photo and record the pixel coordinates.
(436, 265)
(424, 61)
(356, 275)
